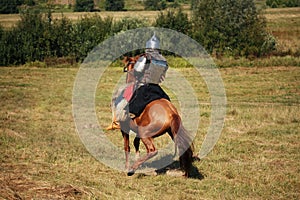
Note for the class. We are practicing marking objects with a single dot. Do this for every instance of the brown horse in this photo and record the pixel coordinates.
(159, 117)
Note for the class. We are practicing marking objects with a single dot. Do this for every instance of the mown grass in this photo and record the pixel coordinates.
(257, 156)
(9, 20)
(284, 24)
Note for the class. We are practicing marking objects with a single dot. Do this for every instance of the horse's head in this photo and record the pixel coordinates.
(129, 65)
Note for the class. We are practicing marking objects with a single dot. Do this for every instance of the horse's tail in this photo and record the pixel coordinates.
(184, 143)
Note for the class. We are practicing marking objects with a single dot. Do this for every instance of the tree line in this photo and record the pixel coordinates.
(222, 27)
(13, 6)
(282, 3)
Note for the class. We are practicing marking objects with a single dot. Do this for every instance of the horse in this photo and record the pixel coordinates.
(158, 117)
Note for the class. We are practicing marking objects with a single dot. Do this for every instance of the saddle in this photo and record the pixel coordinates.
(142, 96)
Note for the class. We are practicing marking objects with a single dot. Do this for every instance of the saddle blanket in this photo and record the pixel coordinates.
(143, 96)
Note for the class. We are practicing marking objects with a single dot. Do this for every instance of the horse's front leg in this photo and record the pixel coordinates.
(126, 149)
(125, 128)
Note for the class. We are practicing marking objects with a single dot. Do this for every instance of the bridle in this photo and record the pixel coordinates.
(125, 69)
(132, 61)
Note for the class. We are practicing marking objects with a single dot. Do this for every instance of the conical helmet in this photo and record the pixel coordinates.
(153, 43)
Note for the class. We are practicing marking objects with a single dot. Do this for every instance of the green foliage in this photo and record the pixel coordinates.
(174, 19)
(84, 5)
(155, 4)
(223, 27)
(114, 5)
(29, 2)
(193, 4)
(127, 24)
(88, 33)
(28, 34)
(10, 6)
(231, 27)
(39, 37)
(282, 3)
(173, 4)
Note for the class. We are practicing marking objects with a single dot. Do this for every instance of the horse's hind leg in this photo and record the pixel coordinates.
(151, 152)
(169, 131)
(136, 144)
(172, 137)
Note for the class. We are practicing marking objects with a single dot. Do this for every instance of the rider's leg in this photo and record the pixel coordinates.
(121, 111)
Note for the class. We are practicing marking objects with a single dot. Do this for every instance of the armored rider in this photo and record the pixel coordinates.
(149, 71)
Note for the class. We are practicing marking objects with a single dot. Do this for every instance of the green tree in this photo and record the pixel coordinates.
(193, 4)
(10, 6)
(84, 6)
(282, 3)
(114, 5)
(230, 26)
(29, 2)
(155, 4)
(292, 3)
(174, 19)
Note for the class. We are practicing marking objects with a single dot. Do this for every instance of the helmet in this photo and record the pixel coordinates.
(153, 43)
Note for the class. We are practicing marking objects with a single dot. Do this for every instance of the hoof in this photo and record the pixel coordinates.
(130, 172)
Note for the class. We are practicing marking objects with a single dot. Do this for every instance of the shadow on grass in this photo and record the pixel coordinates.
(194, 172)
(173, 168)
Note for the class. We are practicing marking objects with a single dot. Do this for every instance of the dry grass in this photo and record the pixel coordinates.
(256, 157)
(284, 24)
(279, 13)
(9, 20)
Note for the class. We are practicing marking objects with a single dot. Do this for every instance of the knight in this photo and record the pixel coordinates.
(152, 66)
(149, 71)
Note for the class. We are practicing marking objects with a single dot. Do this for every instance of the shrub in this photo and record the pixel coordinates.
(59, 39)
(174, 19)
(155, 4)
(84, 6)
(128, 23)
(282, 3)
(29, 2)
(114, 5)
(28, 34)
(10, 6)
(38, 37)
(88, 33)
(230, 27)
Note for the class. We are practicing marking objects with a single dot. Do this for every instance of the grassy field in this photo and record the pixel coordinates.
(257, 156)
(9, 20)
(284, 24)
